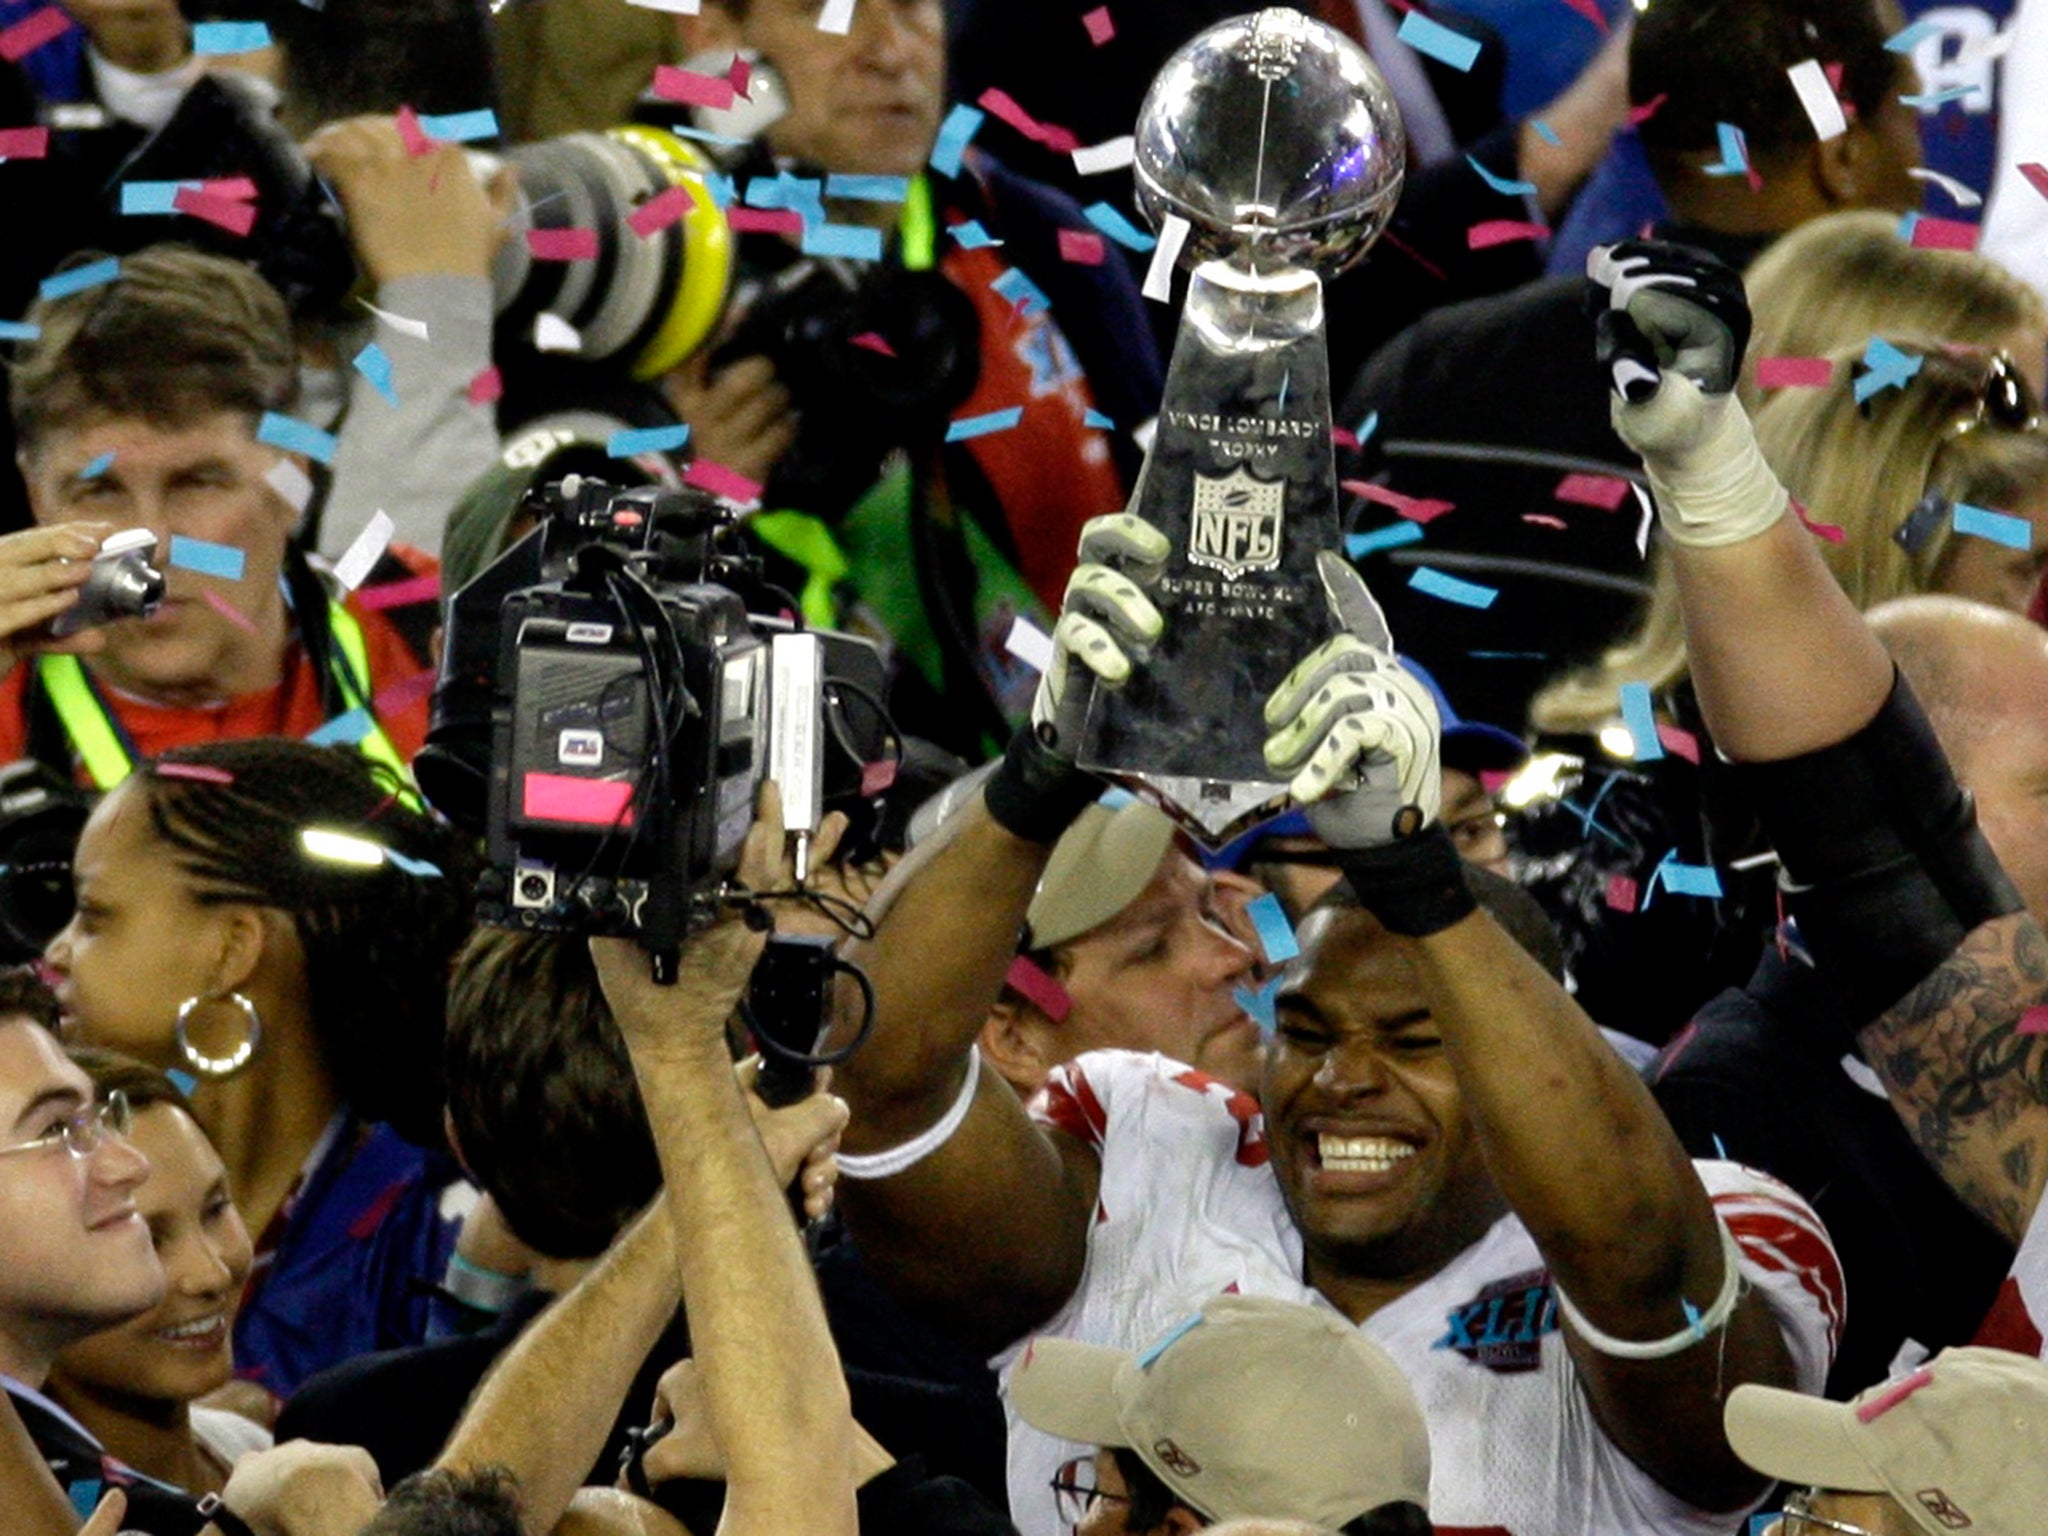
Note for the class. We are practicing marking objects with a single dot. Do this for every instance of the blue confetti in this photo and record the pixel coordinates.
(419, 868)
(146, 197)
(1686, 879)
(1546, 133)
(1367, 427)
(1120, 229)
(960, 126)
(1022, 294)
(98, 466)
(1911, 37)
(704, 135)
(1434, 583)
(629, 442)
(1501, 184)
(799, 194)
(343, 730)
(1734, 152)
(1887, 368)
(210, 37)
(854, 242)
(869, 189)
(1720, 1149)
(62, 285)
(1998, 527)
(1934, 101)
(1115, 799)
(1393, 536)
(296, 436)
(222, 560)
(461, 127)
(1261, 1005)
(971, 235)
(1172, 1337)
(1098, 421)
(184, 1082)
(1276, 934)
(374, 364)
(1438, 41)
(959, 430)
(19, 330)
(85, 1495)
(1692, 1318)
(720, 188)
(1640, 716)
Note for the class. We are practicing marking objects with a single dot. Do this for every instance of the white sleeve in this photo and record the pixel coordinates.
(2016, 215)
(1788, 1257)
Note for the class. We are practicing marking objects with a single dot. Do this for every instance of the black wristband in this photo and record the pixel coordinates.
(1415, 886)
(1035, 793)
(223, 1519)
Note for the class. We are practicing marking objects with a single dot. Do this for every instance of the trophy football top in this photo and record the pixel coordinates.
(1274, 136)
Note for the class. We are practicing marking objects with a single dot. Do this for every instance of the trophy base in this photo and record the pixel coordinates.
(1211, 811)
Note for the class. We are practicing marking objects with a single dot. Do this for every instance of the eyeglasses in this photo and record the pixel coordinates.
(82, 1133)
(2004, 400)
(1798, 1519)
(1074, 1490)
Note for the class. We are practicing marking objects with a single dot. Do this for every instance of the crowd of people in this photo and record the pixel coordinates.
(1609, 1098)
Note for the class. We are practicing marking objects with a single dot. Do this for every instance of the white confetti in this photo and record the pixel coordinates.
(1818, 98)
(836, 17)
(1109, 155)
(673, 7)
(291, 482)
(1143, 433)
(365, 551)
(399, 323)
(551, 333)
(1029, 644)
(1965, 196)
(1159, 276)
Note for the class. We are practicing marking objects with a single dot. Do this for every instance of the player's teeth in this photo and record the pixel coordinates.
(1362, 1154)
(194, 1329)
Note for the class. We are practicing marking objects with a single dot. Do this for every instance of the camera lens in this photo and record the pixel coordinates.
(533, 888)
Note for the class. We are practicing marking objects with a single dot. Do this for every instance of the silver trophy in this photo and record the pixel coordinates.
(1276, 141)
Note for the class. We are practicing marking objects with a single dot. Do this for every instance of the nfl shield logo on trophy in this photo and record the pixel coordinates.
(1236, 523)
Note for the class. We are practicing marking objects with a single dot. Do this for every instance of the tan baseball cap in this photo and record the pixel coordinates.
(1253, 1407)
(1960, 1444)
(1099, 866)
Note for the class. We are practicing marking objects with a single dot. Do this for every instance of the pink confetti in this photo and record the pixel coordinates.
(1081, 248)
(874, 341)
(1603, 491)
(999, 103)
(240, 188)
(740, 75)
(197, 773)
(1932, 234)
(397, 697)
(1415, 508)
(562, 244)
(1590, 9)
(1100, 28)
(1827, 531)
(1342, 438)
(1494, 780)
(765, 221)
(1621, 893)
(487, 387)
(2035, 1020)
(32, 31)
(223, 212)
(1491, 232)
(230, 612)
(411, 134)
(1793, 372)
(658, 212)
(1545, 520)
(1679, 743)
(876, 777)
(720, 481)
(1648, 110)
(398, 594)
(692, 89)
(1894, 1395)
(24, 143)
(2037, 176)
(1039, 989)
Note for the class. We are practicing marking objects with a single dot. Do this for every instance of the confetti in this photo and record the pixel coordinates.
(1120, 229)
(2037, 176)
(1621, 893)
(1734, 159)
(551, 333)
(959, 128)
(1545, 520)
(1934, 101)
(461, 127)
(1261, 1003)
(24, 143)
(227, 213)
(1911, 37)
(1886, 368)
(1467, 594)
(1100, 28)
(962, 428)
(32, 31)
(399, 594)
(2034, 1021)
(1827, 531)
(1931, 234)
(1546, 133)
(1109, 155)
(98, 466)
(691, 89)
(487, 387)
(1793, 372)
(1998, 527)
(1437, 41)
(1276, 934)
(562, 244)
(344, 730)
(1964, 196)
(836, 17)
(1680, 743)
(660, 211)
(1817, 98)
(1640, 716)
(1637, 116)
(1094, 418)
(1029, 644)
(1687, 879)
(1022, 295)
(873, 341)
(1082, 248)
(637, 440)
(374, 364)
(222, 560)
(296, 436)
(852, 242)
(1590, 9)
(869, 189)
(214, 37)
(1583, 490)
(1359, 545)
(735, 487)
(291, 482)
(410, 134)
(364, 551)
(1416, 509)
(1158, 282)
(61, 285)
(1037, 987)
(230, 612)
(971, 236)
(1000, 104)
(765, 221)
(1501, 184)
(1491, 232)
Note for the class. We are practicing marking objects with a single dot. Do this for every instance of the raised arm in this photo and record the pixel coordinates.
(1897, 895)
(958, 1199)
(1570, 1134)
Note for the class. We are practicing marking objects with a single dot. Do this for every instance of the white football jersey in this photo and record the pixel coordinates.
(2019, 1318)
(1189, 1209)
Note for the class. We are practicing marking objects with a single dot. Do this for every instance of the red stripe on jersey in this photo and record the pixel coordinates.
(1785, 1240)
(1069, 1104)
(2009, 1325)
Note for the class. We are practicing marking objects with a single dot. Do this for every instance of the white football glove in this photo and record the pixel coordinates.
(1106, 622)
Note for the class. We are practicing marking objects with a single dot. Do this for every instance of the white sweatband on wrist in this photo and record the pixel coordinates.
(1709, 478)
(1697, 1328)
(481, 1289)
(882, 1165)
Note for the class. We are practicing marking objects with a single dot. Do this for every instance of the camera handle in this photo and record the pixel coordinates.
(788, 1008)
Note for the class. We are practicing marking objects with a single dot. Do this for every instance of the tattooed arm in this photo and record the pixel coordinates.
(1970, 1086)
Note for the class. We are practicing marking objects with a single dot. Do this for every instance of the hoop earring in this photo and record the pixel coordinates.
(215, 1068)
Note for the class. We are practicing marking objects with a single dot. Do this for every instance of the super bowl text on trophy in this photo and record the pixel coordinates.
(1274, 141)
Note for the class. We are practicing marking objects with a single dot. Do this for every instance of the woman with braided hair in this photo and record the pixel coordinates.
(275, 922)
